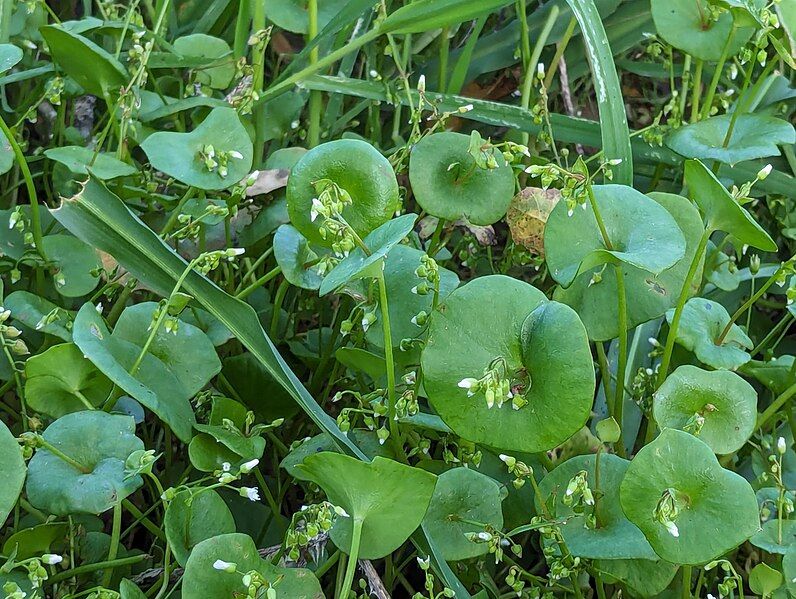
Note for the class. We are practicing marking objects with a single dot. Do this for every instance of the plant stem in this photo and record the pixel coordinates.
(685, 292)
(714, 82)
(444, 51)
(685, 80)
(281, 292)
(44, 444)
(395, 432)
(33, 198)
(314, 129)
(530, 71)
(748, 304)
(356, 536)
(619, 398)
(88, 568)
(696, 91)
(686, 582)
(561, 47)
(114, 548)
(259, 282)
(780, 401)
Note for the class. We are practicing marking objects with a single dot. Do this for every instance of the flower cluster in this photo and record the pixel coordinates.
(308, 524)
(218, 160)
(10, 335)
(329, 204)
(667, 510)
(496, 384)
(520, 470)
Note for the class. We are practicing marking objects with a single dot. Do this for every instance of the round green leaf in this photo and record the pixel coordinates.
(10, 55)
(546, 354)
(79, 160)
(789, 569)
(400, 279)
(764, 580)
(12, 471)
(296, 258)
(366, 440)
(292, 15)
(389, 498)
(701, 324)
(448, 184)
(93, 68)
(174, 369)
(199, 45)
(754, 136)
(192, 517)
(686, 25)
(647, 578)
(379, 242)
(202, 580)
(615, 537)
(179, 155)
(717, 507)
(101, 443)
(29, 309)
(775, 536)
(61, 380)
(462, 494)
(72, 264)
(650, 295)
(717, 406)
(642, 232)
(357, 167)
(720, 209)
(247, 448)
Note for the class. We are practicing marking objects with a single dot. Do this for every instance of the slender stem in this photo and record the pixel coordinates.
(351, 568)
(686, 582)
(530, 71)
(619, 398)
(561, 47)
(281, 291)
(395, 433)
(774, 332)
(748, 304)
(714, 82)
(44, 444)
(780, 401)
(605, 374)
(259, 282)
(114, 548)
(314, 129)
(685, 292)
(33, 198)
(696, 91)
(525, 39)
(444, 52)
(88, 568)
(685, 81)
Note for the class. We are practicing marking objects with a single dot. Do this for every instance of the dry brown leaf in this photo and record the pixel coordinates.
(527, 216)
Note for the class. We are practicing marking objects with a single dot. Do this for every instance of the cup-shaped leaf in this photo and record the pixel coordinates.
(463, 494)
(73, 263)
(614, 536)
(717, 406)
(645, 577)
(690, 508)
(202, 579)
(379, 242)
(595, 298)
(356, 167)
(296, 258)
(10, 55)
(93, 68)
(701, 325)
(79, 159)
(215, 155)
(641, 231)
(61, 380)
(721, 211)
(30, 310)
(192, 517)
(404, 305)
(100, 443)
(388, 498)
(215, 50)
(12, 471)
(175, 367)
(776, 536)
(753, 136)
(538, 347)
(447, 182)
(688, 26)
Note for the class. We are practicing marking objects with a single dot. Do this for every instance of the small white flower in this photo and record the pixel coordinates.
(235, 154)
(226, 466)
(782, 447)
(98, 307)
(250, 493)
(484, 536)
(315, 210)
(469, 384)
(615, 161)
(540, 70)
(764, 172)
(226, 478)
(672, 528)
(465, 108)
(220, 564)
(421, 83)
(249, 466)
(341, 512)
(247, 580)
(51, 559)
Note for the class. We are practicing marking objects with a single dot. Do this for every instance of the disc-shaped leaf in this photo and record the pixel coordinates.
(720, 209)
(192, 517)
(180, 155)
(10, 55)
(292, 15)
(29, 309)
(359, 169)
(753, 136)
(701, 324)
(247, 448)
(647, 578)
(216, 51)
(651, 295)
(717, 406)
(93, 68)
(716, 509)
(72, 264)
(379, 243)
(61, 380)
(448, 184)
(543, 350)
(688, 26)
(404, 305)
(296, 258)
(12, 471)
(614, 537)
(100, 443)
(387, 497)
(462, 494)
(79, 160)
(202, 580)
(173, 370)
(642, 233)
(776, 536)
